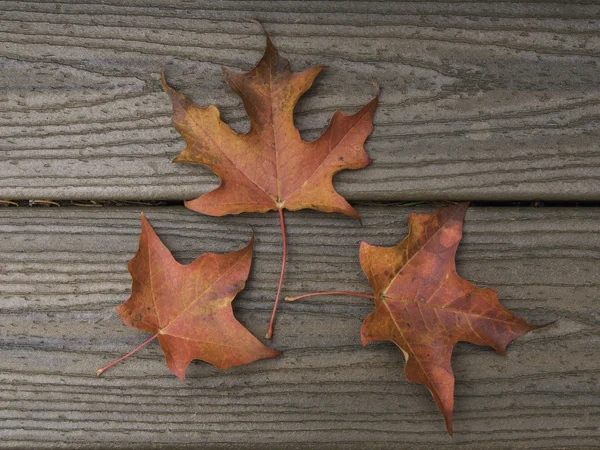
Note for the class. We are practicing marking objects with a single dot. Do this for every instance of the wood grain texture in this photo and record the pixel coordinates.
(490, 101)
(62, 272)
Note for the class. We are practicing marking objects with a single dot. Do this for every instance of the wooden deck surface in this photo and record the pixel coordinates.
(63, 272)
(479, 101)
(491, 101)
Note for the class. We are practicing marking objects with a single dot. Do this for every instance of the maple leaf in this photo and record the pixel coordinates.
(188, 307)
(270, 167)
(425, 307)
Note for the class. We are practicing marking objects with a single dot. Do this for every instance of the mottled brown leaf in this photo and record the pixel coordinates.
(425, 307)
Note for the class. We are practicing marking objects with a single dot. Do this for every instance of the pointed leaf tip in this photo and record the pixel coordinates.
(448, 421)
(376, 84)
(163, 81)
(144, 221)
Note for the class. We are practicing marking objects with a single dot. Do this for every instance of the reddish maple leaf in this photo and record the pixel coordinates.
(270, 167)
(188, 307)
(425, 307)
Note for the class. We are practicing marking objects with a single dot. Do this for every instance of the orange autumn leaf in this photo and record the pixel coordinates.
(270, 168)
(188, 307)
(425, 307)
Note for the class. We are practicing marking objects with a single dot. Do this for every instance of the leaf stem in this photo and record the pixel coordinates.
(314, 294)
(101, 371)
(284, 240)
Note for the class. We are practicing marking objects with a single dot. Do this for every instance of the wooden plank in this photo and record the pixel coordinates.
(480, 101)
(62, 271)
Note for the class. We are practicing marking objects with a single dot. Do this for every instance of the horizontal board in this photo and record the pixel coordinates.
(479, 101)
(63, 270)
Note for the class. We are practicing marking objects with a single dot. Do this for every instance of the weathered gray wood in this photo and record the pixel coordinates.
(479, 100)
(62, 271)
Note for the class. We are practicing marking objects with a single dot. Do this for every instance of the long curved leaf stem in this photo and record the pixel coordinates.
(314, 294)
(117, 361)
(284, 241)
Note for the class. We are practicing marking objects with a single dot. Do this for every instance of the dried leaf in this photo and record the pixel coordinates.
(270, 167)
(188, 307)
(425, 307)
